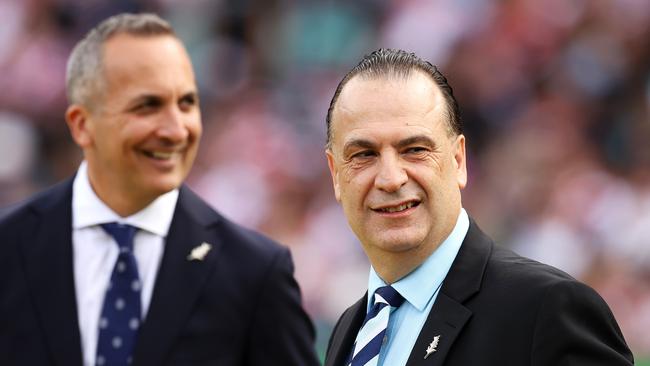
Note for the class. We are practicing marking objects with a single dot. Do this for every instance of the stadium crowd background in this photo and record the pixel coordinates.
(555, 97)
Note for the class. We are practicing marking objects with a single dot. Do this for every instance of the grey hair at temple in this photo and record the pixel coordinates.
(83, 74)
(386, 62)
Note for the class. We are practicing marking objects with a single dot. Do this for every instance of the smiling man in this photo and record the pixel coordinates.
(123, 264)
(439, 291)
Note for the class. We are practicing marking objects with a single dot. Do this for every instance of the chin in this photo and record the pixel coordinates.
(162, 185)
(398, 243)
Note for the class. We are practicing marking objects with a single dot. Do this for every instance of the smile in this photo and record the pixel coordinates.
(159, 155)
(398, 208)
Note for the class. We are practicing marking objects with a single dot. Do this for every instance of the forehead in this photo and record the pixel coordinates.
(161, 59)
(383, 104)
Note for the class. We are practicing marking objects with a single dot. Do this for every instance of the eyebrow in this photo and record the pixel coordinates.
(158, 98)
(358, 143)
(144, 97)
(190, 93)
(412, 140)
(417, 139)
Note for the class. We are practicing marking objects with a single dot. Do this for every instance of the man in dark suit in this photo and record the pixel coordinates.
(439, 291)
(123, 264)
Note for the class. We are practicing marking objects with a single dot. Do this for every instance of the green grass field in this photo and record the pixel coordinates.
(641, 361)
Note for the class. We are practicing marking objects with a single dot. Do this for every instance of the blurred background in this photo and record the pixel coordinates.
(555, 97)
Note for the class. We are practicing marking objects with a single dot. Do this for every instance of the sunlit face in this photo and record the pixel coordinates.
(396, 169)
(141, 137)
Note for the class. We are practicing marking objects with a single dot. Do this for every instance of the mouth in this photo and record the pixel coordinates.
(159, 155)
(397, 208)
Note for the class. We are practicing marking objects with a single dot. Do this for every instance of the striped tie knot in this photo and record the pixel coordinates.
(371, 335)
(388, 295)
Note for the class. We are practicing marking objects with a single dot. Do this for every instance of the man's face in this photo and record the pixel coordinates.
(397, 172)
(141, 136)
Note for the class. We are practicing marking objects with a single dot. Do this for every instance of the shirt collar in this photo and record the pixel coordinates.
(419, 286)
(89, 210)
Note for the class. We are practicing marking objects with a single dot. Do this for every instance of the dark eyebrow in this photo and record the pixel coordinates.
(418, 139)
(145, 98)
(136, 102)
(358, 143)
(413, 140)
(191, 94)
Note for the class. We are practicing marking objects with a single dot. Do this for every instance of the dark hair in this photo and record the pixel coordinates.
(390, 62)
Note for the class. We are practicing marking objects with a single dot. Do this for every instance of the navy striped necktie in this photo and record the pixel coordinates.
(371, 335)
(121, 313)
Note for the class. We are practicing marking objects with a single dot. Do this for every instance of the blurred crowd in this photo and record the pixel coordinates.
(555, 98)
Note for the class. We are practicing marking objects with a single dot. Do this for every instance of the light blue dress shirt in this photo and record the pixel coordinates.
(420, 289)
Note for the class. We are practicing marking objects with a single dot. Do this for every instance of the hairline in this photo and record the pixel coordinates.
(85, 82)
(391, 73)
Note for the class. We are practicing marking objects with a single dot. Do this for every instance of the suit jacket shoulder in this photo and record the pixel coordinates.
(239, 305)
(37, 297)
(56, 196)
(249, 241)
(559, 320)
(511, 310)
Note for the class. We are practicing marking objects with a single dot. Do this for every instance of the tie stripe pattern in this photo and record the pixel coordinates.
(371, 335)
(121, 312)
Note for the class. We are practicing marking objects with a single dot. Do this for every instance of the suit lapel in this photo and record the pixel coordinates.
(179, 280)
(47, 252)
(346, 332)
(448, 315)
(445, 321)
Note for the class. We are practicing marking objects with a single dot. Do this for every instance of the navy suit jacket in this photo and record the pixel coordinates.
(497, 308)
(239, 306)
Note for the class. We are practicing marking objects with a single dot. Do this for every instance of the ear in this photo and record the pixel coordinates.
(331, 163)
(77, 118)
(460, 162)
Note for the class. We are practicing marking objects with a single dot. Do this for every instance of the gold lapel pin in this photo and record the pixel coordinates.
(199, 252)
(432, 346)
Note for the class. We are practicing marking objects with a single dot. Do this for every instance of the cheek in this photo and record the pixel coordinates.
(436, 163)
(137, 131)
(357, 174)
(441, 168)
(195, 128)
(354, 185)
(107, 139)
(432, 179)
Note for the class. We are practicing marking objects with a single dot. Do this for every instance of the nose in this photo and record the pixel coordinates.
(173, 126)
(391, 175)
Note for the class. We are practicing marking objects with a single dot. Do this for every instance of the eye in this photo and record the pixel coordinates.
(146, 105)
(364, 154)
(415, 150)
(187, 102)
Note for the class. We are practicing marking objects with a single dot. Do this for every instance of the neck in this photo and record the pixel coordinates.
(122, 203)
(393, 267)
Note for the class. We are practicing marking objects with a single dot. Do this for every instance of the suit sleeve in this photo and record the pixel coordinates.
(574, 327)
(282, 332)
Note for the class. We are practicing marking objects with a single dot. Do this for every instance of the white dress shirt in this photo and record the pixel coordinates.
(95, 252)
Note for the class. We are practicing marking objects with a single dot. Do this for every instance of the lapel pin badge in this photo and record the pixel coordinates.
(432, 346)
(199, 252)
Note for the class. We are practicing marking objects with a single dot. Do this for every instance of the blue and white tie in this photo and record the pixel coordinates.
(371, 335)
(121, 312)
